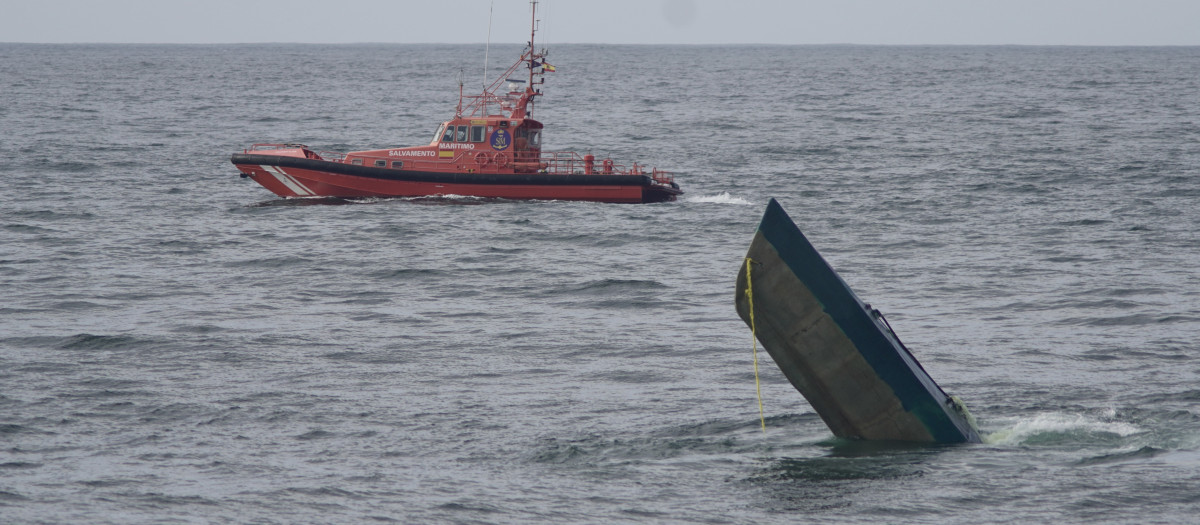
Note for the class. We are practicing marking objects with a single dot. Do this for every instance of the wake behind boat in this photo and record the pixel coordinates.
(491, 148)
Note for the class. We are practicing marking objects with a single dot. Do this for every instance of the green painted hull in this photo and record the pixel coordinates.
(835, 349)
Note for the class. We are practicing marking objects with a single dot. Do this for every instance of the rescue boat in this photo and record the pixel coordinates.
(492, 148)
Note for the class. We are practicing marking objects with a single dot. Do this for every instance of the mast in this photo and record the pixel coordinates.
(515, 103)
(534, 56)
(532, 32)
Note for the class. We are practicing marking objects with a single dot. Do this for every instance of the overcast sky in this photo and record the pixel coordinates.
(1034, 22)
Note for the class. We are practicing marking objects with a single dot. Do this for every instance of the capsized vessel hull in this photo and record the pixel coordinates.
(837, 350)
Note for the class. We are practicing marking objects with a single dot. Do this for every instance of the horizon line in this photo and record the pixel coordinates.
(691, 44)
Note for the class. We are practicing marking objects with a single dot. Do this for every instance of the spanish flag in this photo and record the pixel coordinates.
(547, 67)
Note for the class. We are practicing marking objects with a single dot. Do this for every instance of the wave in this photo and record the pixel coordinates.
(609, 286)
(720, 198)
(101, 342)
(1060, 428)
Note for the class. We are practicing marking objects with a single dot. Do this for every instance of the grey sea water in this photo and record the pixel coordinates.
(177, 345)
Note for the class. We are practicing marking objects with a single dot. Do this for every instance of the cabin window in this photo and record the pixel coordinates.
(476, 133)
(397, 164)
(461, 136)
(448, 136)
(380, 163)
(356, 162)
(440, 133)
(527, 138)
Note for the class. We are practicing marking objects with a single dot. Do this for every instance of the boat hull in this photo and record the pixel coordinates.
(289, 176)
(835, 349)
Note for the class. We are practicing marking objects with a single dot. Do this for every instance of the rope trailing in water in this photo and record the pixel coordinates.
(754, 339)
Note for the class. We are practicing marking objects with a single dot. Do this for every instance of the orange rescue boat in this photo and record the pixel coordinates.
(491, 148)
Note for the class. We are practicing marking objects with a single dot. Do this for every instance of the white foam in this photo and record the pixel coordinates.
(1057, 423)
(720, 198)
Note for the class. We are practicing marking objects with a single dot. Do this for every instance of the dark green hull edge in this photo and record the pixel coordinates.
(838, 351)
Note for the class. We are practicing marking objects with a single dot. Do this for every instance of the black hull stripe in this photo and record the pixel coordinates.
(539, 179)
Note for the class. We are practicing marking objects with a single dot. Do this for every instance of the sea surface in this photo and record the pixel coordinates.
(178, 345)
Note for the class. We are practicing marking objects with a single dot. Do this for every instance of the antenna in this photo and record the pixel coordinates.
(487, 47)
(458, 111)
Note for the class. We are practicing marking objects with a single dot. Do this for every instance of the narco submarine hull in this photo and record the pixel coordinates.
(835, 349)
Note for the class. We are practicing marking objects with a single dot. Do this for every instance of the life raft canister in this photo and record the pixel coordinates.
(589, 164)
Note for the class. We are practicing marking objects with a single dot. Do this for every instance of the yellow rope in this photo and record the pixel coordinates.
(754, 338)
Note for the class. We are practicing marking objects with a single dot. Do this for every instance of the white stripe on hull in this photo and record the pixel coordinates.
(287, 180)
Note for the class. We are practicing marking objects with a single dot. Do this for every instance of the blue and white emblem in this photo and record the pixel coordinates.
(501, 139)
